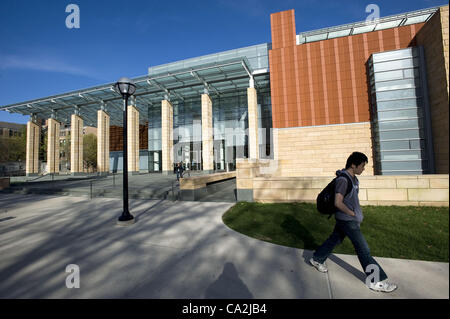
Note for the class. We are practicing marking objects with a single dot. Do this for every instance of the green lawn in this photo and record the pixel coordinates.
(391, 231)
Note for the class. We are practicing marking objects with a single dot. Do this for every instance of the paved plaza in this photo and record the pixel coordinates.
(176, 249)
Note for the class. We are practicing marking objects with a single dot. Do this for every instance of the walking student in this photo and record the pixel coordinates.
(179, 171)
(348, 217)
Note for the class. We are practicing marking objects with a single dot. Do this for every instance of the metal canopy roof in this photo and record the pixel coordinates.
(217, 78)
(363, 27)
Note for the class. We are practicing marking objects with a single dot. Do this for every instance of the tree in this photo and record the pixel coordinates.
(90, 150)
(43, 144)
(14, 149)
(66, 148)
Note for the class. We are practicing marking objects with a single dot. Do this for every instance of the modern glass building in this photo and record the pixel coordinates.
(229, 110)
(305, 100)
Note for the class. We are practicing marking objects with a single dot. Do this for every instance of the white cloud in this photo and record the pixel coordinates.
(40, 63)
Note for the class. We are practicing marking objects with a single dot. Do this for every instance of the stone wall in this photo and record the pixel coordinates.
(321, 150)
(403, 190)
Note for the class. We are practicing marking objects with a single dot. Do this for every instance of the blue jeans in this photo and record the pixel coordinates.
(352, 230)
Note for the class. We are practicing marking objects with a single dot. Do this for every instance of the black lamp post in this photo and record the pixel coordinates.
(126, 88)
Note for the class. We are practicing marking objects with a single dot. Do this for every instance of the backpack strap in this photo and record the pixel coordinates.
(349, 184)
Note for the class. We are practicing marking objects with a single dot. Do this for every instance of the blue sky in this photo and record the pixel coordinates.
(40, 56)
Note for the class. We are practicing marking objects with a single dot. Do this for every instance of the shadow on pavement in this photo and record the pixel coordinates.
(307, 255)
(228, 285)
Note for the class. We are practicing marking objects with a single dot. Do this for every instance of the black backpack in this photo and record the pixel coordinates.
(325, 199)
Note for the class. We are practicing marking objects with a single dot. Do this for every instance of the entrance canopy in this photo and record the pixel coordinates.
(181, 83)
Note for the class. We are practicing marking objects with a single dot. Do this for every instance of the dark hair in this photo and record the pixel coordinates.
(356, 158)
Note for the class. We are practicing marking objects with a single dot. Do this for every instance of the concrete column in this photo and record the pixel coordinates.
(133, 139)
(76, 144)
(253, 140)
(167, 137)
(102, 142)
(32, 156)
(53, 146)
(207, 134)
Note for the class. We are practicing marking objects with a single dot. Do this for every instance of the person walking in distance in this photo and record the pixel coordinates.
(179, 171)
(349, 217)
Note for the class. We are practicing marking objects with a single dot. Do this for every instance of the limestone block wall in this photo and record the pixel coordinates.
(321, 150)
(167, 136)
(103, 129)
(32, 148)
(418, 190)
(434, 38)
(76, 144)
(253, 142)
(53, 146)
(133, 139)
(207, 133)
(401, 190)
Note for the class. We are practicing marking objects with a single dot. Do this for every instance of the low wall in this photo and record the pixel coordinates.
(402, 190)
(194, 188)
(4, 182)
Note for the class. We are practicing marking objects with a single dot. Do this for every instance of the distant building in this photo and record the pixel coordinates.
(11, 129)
(64, 139)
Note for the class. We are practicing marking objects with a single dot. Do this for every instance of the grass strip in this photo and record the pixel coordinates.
(406, 232)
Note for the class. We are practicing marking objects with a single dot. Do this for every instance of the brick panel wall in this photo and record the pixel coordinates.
(324, 82)
(116, 138)
(434, 38)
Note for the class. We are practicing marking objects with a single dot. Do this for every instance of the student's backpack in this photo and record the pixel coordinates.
(325, 199)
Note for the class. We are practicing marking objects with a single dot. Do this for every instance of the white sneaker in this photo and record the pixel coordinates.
(383, 286)
(320, 267)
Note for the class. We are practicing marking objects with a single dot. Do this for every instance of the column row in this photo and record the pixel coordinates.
(103, 139)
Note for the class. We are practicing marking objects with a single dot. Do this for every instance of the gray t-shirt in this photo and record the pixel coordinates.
(351, 200)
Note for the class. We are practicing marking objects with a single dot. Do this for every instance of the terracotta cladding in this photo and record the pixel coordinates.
(116, 138)
(324, 82)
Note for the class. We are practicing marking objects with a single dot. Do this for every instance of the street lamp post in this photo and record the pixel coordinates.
(126, 88)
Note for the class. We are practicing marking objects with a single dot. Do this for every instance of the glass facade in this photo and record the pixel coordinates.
(154, 138)
(187, 133)
(230, 130)
(400, 113)
(229, 112)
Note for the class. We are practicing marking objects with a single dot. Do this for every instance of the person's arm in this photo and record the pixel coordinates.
(339, 203)
(341, 188)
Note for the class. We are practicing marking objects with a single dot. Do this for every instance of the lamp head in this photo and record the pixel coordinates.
(125, 86)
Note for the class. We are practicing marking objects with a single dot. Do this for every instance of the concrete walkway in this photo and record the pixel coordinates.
(174, 250)
(144, 186)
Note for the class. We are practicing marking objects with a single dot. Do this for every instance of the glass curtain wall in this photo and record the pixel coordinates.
(400, 113)
(230, 130)
(230, 122)
(187, 133)
(154, 138)
(265, 124)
